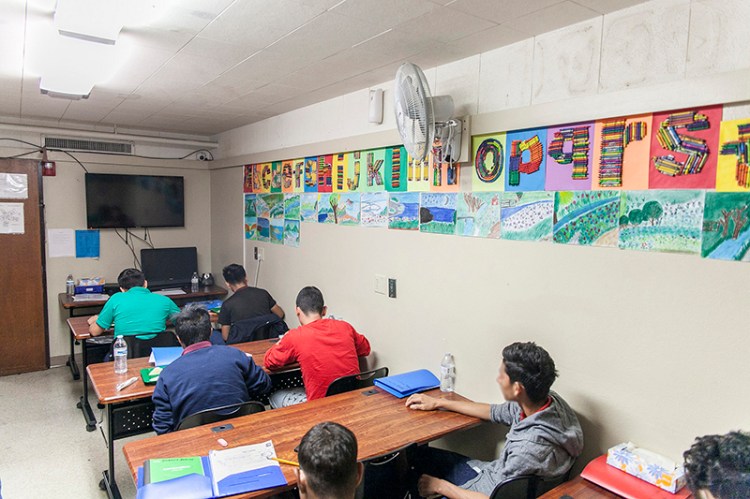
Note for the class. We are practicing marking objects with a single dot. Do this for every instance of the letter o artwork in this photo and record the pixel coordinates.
(488, 173)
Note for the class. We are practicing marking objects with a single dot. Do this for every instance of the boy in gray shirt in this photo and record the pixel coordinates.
(544, 437)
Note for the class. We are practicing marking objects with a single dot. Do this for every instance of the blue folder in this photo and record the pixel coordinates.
(403, 385)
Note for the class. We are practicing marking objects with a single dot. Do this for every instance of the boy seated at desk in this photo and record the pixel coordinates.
(205, 376)
(328, 467)
(246, 302)
(718, 466)
(544, 438)
(135, 310)
(326, 349)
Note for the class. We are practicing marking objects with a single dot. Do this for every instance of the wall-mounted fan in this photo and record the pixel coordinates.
(425, 122)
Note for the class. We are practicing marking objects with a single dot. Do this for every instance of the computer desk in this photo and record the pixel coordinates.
(129, 412)
(579, 488)
(81, 308)
(380, 421)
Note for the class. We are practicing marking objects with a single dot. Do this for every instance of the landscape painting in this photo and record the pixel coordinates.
(250, 206)
(526, 216)
(292, 206)
(325, 209)
(291, 233)
(270, 205)
(403, 211)
(669, 221)
(587, 218)
(251, 227)
(478, 214)
(345, 208)
(726, 218)
(437, 213)
(309, 207)
(264, 229)
(277, 231)
(374, 209)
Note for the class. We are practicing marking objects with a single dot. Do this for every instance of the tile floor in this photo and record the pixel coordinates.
(45, 450)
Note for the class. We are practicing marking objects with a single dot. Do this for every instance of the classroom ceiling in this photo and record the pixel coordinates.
(207, 66)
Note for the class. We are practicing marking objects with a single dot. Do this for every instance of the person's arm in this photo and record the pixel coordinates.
(361, 344)
(422, 402)
(257, 380)
(225, 331)
(100, 323)
(429, 485)
(281, 354)
(163, 421)
(276, 309)
(95, 329)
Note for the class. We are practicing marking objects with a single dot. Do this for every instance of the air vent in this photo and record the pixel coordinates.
(69, 144)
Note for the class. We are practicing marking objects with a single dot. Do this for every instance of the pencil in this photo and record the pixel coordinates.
(284, 461)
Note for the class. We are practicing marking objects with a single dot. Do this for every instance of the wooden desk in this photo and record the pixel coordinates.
(579, 488)
(381, 422)
(79, 331)
(75, 308)
(133, 406)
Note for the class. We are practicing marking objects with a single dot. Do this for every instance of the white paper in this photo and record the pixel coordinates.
(240, 459)
(61, 242)
(11, 218)
(14, 186)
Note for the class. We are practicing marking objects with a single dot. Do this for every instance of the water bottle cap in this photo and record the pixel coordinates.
(119, 336)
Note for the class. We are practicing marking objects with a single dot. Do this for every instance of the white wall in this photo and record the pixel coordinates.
(650, 347)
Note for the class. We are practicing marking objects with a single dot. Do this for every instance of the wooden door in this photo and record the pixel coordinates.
(24, 344)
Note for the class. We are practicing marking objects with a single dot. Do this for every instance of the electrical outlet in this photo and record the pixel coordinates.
(391, 288)
(257, 253)
(381, 284)
(261, 254)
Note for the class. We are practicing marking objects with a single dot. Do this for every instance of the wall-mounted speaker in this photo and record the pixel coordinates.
(375, 114)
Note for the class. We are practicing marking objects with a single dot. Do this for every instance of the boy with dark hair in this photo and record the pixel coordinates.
(328, 467)
(205, 376)
(326, 349)
(544, 438)
(135, 310)
(246, 302)
(718, 466)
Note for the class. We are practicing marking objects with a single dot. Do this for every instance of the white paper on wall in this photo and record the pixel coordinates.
(61, 242)
(11, 218)
(14, 186)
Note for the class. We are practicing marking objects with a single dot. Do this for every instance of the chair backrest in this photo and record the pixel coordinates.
(386, 476)
(544, 485)
(520, 487)
(208, 416)
(142, 348)
(262, 327)
(355, 381)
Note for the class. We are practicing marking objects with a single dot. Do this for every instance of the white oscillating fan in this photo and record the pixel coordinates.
(424, 121)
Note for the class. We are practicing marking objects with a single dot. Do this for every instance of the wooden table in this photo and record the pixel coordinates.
(79, 331)
(579, 488)
(381, 422)
(75, 308)
(129, 411)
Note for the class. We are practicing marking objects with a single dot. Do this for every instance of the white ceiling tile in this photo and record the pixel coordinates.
(433, 26)
(607, 6)
(388, 14)
(488, 39)
(500, 11)
(553, 17)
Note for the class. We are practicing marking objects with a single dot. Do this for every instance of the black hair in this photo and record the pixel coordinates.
(234, 273)
(328, 457)
(192, 325)
(720, 464)
(530, 365)
(310, 300)
(130, 278)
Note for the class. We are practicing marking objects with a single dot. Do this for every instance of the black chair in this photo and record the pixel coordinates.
(520, 487)
(208, 416)
(142, 348)
(262, 327)
(355, 381)
(386, 476)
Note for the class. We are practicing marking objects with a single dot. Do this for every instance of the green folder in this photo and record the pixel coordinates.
(149, 375)
(159, 470)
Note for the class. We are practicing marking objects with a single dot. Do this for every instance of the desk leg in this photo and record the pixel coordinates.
(72, 359)
(109, 483)
(83, 404)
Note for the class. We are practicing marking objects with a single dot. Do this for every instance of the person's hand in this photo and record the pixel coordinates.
(428, 486)
(421, 402)
(92, 319)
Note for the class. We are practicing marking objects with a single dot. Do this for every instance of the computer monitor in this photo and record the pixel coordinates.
(169, 267)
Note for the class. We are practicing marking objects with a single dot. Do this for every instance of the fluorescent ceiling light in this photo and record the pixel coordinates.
(92, 20)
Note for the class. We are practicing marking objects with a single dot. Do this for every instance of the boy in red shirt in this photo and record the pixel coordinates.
(326, 349)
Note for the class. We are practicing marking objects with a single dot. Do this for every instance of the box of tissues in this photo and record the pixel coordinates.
(647, 465)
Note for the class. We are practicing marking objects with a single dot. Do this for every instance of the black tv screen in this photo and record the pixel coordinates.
(120, 201)
(169, 267)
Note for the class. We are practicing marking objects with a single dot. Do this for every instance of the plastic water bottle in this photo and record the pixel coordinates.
(121, 355)
(447, 373)
(194, 283)
(70, 285)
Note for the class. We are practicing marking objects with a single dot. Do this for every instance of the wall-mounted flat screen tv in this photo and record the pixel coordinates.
(120, 201)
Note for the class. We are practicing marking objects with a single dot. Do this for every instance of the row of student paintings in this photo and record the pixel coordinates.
(686, 149)
(714, 224)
